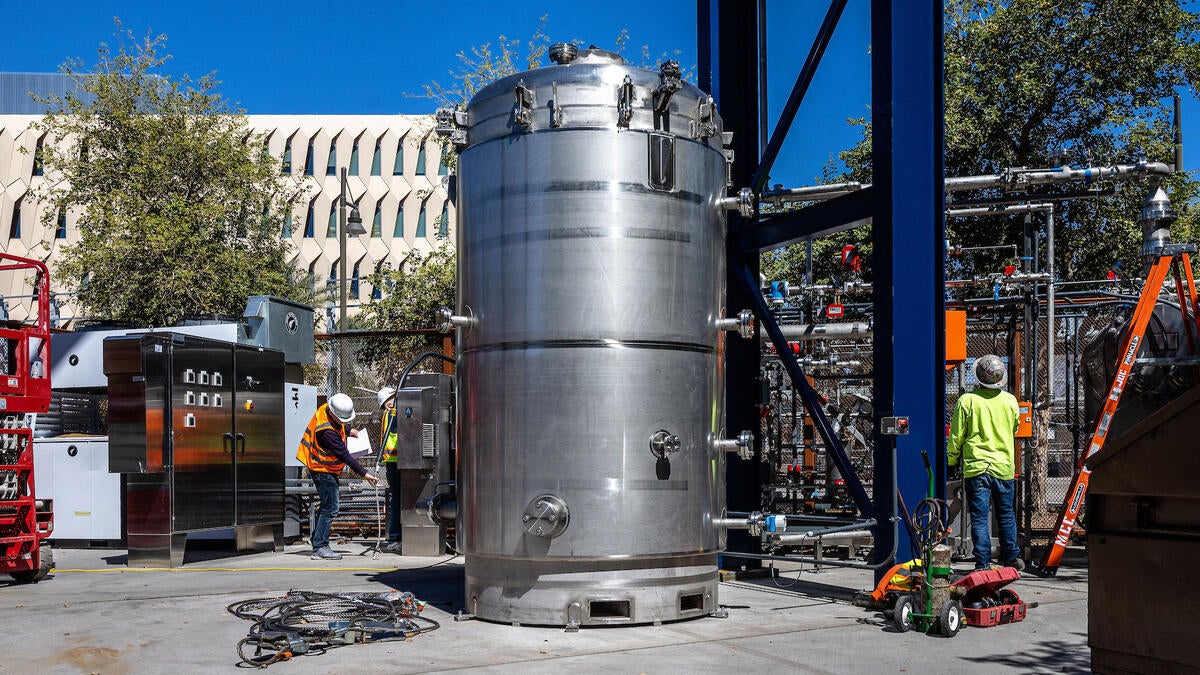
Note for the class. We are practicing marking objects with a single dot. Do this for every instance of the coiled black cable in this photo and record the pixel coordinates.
(309, 622)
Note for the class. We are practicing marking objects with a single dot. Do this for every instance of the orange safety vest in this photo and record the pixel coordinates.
(310, 453)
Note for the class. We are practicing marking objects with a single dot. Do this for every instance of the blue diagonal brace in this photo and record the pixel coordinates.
(810, 222)
(759, 306)
(799, 89)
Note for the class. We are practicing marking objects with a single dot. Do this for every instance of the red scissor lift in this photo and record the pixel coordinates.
(25, 520)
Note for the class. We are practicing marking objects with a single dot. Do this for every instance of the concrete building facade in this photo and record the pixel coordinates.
(395, 175)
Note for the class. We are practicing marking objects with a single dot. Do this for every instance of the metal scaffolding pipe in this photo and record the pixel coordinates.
(1051, 333)
(997, 210)
(785, 538)
(811, 193)
(807, 332)
(1019, 177)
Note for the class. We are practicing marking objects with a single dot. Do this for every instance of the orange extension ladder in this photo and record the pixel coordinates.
(1171, 258)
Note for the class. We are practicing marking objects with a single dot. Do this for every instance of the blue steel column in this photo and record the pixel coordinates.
(906, 104)
(735, 88)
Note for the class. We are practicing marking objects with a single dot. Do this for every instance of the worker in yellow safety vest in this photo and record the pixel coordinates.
(387, 445)
(981, 436)
(323, 450)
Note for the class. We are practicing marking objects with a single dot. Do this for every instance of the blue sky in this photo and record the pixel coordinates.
(357, 57)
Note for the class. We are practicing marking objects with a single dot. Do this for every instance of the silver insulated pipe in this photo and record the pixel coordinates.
(591, 327)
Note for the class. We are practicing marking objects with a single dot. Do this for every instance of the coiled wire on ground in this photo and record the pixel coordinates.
(309, 622)
(929, 521)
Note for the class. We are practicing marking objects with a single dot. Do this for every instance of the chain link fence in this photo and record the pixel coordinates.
(359, 364)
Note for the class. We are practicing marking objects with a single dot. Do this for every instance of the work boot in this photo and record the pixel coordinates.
(1017, 563)
(392, 547)
(326, 553)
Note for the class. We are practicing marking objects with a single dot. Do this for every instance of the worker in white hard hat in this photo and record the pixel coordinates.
(387, 445)
(982, 432)
(323, 450)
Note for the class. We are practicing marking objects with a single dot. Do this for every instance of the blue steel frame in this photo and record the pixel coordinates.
(905, 202)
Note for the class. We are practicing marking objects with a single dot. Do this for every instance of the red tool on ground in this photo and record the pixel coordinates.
(985, 600)
(1171, 257)
(25, 520)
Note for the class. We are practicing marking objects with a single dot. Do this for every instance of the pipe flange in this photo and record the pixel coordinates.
(546, 517)
(664, 443)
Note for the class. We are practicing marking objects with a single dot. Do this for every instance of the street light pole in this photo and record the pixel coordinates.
(345, 227)
(342, 259)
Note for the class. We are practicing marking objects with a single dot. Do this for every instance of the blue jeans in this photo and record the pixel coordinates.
(327, 490)
(393, 481)
(983, 491)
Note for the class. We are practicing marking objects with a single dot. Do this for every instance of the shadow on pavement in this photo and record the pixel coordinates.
(439, 584)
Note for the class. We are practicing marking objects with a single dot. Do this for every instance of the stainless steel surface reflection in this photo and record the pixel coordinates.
(591, 258)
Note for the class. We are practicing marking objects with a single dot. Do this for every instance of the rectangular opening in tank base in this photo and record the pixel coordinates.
(610, 610)
(692, 602)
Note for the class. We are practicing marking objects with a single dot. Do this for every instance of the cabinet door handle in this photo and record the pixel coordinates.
(226, 442)
(242, 439)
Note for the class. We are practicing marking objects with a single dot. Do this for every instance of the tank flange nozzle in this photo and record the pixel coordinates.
(446, 320)
(743, 323)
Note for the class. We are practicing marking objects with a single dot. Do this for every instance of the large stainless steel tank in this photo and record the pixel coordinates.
(591, 246)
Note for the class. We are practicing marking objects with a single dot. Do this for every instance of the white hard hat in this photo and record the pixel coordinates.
(342, 407)
(385, 394)
(991, 372)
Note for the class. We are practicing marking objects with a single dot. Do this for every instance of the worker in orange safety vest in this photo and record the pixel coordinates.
(323, 450)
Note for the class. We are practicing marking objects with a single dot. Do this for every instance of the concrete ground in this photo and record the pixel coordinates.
(94, 615)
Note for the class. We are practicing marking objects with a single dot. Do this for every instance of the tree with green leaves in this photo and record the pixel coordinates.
(1026, 79)
(181, 204)
(411, 294)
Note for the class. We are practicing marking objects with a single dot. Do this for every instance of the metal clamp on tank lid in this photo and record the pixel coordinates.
(664, 443)
(546, 517)
(523, 107)
(743, 323)
(743, 445)
(671, 81)
(452, 125)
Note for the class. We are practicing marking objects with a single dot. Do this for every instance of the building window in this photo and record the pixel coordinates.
(398, 229)
(331, 229)
(375, 160)
(308, 160)
(309, 222)
(354, 281)
(354, 159)
(61, 231)
(14, 229)
(287, 224)
(312, 275)
(377, 289)
(444, 223)
(442, 168)
(287, 157)
(39, 159)
(377, 222)
(421, 223)
(398, 167)
(331, 282)
(331, 163)
(421, 160)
